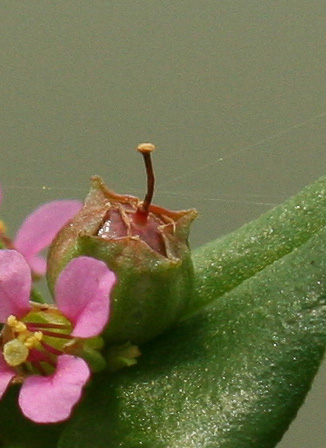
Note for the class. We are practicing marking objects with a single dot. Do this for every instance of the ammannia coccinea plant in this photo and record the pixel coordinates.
(231, 335)
(49, 348)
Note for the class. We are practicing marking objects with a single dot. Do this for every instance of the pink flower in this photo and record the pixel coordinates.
(39, 229)
(37, 341)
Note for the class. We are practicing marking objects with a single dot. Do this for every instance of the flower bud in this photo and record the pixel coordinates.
(145, 245)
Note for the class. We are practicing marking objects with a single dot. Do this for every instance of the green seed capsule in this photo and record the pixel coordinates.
(145, 245)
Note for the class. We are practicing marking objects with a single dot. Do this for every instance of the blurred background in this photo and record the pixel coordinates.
(232, 93)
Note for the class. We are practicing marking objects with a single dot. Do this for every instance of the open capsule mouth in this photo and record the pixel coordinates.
(123, 221)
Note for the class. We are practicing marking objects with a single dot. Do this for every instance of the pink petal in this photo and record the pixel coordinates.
(6, 375)
(15, 284)
(50, 399)
(38, 264)
(82, 293)
(39, 229)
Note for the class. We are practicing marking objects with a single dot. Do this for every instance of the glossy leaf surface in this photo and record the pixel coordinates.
(223, 264)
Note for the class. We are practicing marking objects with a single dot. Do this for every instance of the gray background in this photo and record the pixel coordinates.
(232, 93)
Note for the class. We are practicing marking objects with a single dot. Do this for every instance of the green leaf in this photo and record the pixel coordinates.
(234, 374)
(223, 264)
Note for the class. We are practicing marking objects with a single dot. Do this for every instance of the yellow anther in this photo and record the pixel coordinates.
(16, 325)
(33, 340)
(11, 320)
(3, 228)
(23, 336)
(20, 327)
(29, 343)
(38, 335)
